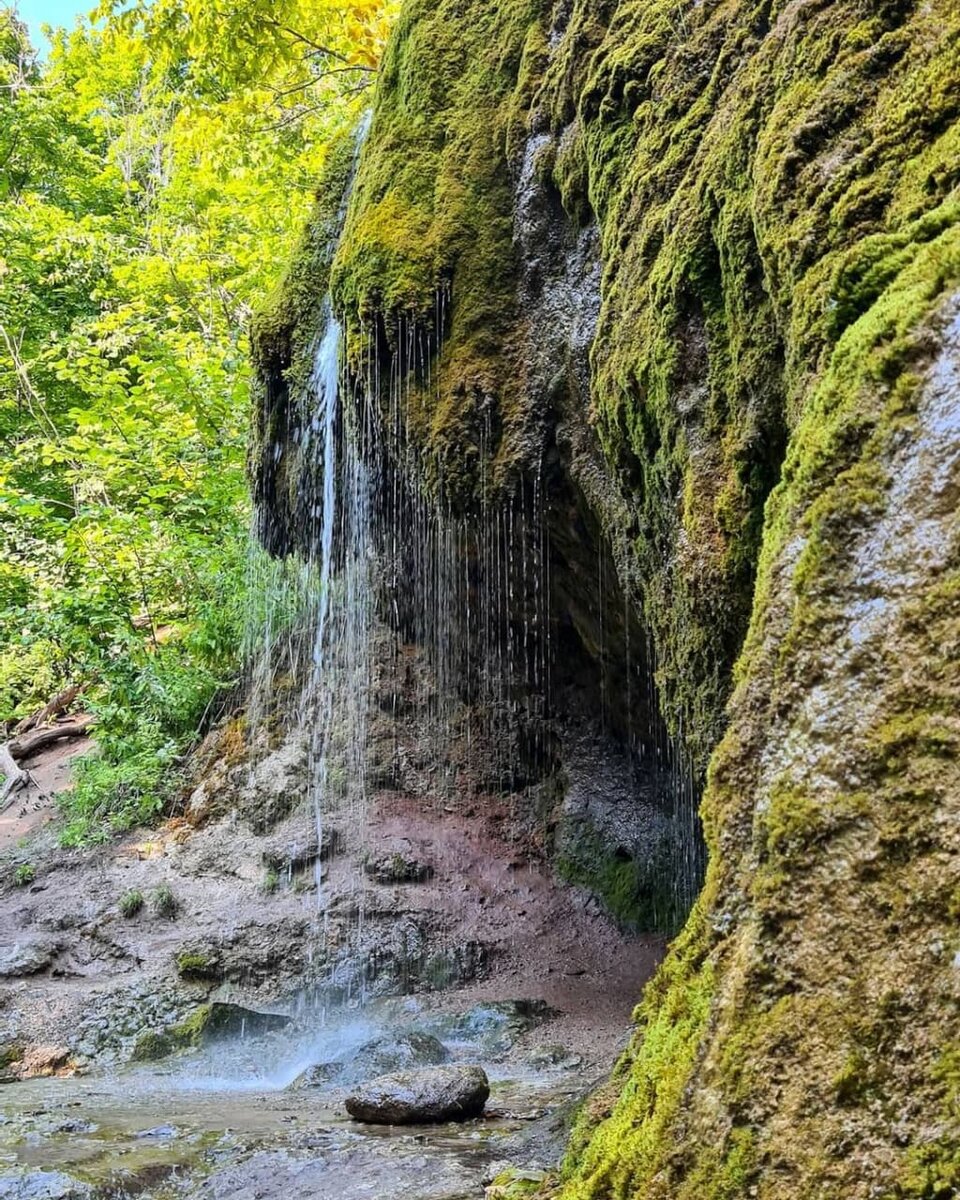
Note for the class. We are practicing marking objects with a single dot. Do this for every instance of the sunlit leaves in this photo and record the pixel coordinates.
(153, 175)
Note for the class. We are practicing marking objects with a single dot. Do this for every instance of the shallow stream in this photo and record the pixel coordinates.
(235, 1121)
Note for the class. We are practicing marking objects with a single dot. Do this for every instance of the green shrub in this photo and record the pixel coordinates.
(164, 902)
(25, 874)
(131, 903)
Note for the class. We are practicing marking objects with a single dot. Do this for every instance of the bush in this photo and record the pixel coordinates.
(150, 706)
(30, 673)
(164, 902)
(131, 903)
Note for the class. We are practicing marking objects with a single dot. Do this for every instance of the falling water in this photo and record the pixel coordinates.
(461, 589)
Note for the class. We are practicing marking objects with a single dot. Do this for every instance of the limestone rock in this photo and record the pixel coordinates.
(28, 957)
(493, 1024)
(43, 1185)
(421, 1097)
(398, 864)
(208, 1023)
(294, 850)
(399, 1052)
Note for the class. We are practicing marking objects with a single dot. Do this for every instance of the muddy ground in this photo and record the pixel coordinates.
(404, 894)
(411, 908)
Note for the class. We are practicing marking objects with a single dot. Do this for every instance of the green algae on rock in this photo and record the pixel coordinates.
(206, 1024)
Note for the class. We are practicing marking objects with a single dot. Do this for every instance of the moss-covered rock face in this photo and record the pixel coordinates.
(769, 435)
(801, 1039)
(433, 208)
(283, 337)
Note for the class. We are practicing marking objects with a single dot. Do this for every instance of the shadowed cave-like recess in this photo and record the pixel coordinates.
(537, 657)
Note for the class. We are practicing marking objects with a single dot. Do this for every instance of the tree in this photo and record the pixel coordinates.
(153, 174)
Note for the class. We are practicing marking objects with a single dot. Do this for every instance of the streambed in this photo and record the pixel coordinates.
(237, 1121)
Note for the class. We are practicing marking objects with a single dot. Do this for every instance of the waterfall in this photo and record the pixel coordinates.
(464, 651)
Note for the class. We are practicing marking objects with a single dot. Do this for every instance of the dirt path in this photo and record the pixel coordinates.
(35, 806)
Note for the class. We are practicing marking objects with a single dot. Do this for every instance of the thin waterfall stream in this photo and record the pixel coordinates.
(460, 821)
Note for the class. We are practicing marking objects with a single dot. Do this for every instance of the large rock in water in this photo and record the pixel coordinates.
(421, 1097)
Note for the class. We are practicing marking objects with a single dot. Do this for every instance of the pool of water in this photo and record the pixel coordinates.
(226, 1123)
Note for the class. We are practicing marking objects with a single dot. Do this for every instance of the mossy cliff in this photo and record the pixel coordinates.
(770, 438)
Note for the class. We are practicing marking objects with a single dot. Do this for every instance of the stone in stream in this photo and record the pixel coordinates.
(421, 1097)
(398, 1052)
(493, 1025)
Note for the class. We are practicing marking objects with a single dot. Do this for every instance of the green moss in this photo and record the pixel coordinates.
(433, 202)
(513, 1184)
(10, 1053)
(613, 1150)
(195, 965)
(186, 1035)
(776, 194)
(932, 1169)
(152, 1046)
(635, 893)
(190, 1031)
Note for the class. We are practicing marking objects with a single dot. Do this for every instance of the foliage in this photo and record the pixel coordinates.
(131, 903)
(24, 874)
(152, 174)
(164, 902)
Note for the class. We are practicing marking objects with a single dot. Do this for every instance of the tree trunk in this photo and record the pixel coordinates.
(14, 777)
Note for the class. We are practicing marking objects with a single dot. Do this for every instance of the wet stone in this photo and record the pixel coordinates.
(493, 1024)
(382, 1056)
(398, 866)
(421, 1097)
(553, 1055)
(297, 850)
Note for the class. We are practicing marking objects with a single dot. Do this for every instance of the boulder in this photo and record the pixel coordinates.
(297, 848)
(28, 957)
(42, 1061)
(421, 1097)
(42, 1185)
(493, 1025)
(206, 1024)
(399, 1052)
(553, 1055)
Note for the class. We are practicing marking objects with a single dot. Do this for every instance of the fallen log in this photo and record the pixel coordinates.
(53, 708)
(26, 746)
(19, 749)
